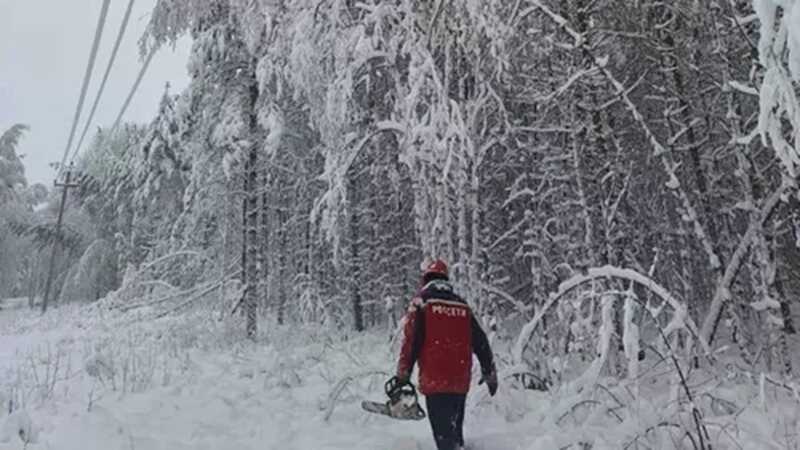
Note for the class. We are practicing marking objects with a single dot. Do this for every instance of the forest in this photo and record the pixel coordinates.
(614, 183)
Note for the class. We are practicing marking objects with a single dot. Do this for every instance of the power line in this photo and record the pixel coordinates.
(86, 78)
(120, 35)
(134, 88)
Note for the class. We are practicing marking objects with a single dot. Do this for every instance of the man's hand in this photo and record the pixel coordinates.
(491, 381)
(395, 384)
(402, 378)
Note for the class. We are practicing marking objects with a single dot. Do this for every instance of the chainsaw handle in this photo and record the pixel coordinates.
(394, 386)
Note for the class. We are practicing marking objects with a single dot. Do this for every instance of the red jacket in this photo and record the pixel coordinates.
(441, 334)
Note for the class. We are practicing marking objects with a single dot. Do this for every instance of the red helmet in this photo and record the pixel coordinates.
(438, 267)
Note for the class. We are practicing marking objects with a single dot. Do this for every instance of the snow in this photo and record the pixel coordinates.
(777, 97)
(43, 206)
(793, 27)
(630, 337)
(679, 320)
(244, 396)
(128, 373)
(210, 389)
(673, 182)
(18, 425)
(765, 304)
(765, 10)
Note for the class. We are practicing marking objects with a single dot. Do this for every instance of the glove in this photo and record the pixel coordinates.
(395, 384)
(491, 381)
(402, 378)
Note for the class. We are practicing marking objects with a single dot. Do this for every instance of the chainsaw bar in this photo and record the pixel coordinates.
(400, 412)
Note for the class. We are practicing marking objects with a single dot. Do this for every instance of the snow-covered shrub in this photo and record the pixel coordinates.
(125, 365)
(93, 351)
(93, 276)
(38, 374)
(100, 368)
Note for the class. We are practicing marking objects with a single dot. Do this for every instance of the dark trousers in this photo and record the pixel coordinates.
(446, 413)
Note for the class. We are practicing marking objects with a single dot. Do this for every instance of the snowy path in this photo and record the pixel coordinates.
(247, 397)
(228, 407)
(210, 391)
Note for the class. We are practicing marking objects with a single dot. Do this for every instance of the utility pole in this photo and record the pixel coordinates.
(54, 254)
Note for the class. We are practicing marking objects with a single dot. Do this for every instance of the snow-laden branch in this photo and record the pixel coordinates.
(699, 231)
(337, 164)
(333, 397)
(722, 293)
(170, 256)
(593, 274)
(779, 47)
(557, 18)
(614, 208)
(743, 88)
(521, 307)
(166, 298)
(566, 86)
(192, 299)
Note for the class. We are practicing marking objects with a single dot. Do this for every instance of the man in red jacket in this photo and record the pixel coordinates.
(440, 334)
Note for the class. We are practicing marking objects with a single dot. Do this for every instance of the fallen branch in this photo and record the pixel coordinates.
(589, 401)
(165, 298)
(240, 302)
(630, 275)
(170, 256)
(342, 384)
(722, 293)
(660, 425)
(591, 275)
(190, 300)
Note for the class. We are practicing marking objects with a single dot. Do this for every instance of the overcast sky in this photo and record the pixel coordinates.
(44, 49)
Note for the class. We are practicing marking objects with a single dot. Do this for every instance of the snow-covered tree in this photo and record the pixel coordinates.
(12, 172)
(15, 211)
(323, 150)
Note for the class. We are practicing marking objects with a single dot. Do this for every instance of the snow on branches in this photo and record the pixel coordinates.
(779, 55)
(679, 321)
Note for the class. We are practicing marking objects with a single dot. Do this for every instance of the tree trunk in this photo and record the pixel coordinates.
(264, 233)
(281, 271)
(244, 258)
(355, 263)
(251, 245)
(252, 269)
(32, 280)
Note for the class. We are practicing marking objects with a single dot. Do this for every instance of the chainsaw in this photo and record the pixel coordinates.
(403, 403)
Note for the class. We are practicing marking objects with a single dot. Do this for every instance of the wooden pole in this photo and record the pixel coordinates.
(54, 252)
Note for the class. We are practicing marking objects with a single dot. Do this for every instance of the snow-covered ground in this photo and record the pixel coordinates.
(274, 394)
(8, 306)
(89, 379)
